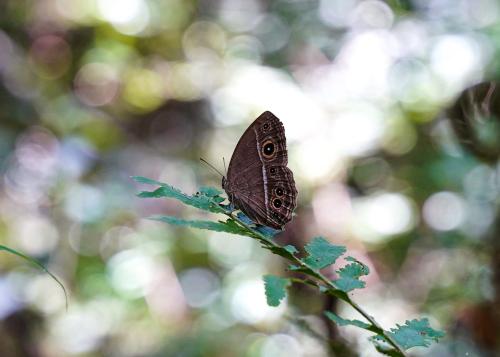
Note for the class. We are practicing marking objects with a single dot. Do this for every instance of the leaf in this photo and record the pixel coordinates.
(229, 226)
(267, 231)
(298, 269)
(201, 201)
(415, 333)
(264, 230)
(148, 181)
(322, 253)
(275, 289)
(323, 289)
(290, 249)
(386, 349)
(39, 266)
(286, 251)
(210, 191)
(350, 274)
(344, 322)
(281, 251)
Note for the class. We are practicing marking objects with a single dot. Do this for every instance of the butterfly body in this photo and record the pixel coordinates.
(258, 181)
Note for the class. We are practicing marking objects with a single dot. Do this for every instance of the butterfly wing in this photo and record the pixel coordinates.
(258, 181)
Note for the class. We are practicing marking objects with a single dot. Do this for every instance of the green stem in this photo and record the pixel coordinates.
(40, 266)
(331, 288)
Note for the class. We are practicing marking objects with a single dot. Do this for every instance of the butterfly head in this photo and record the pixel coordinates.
(227, 187)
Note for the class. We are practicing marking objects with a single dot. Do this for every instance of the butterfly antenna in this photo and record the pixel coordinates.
(224, 162)
(211, 166)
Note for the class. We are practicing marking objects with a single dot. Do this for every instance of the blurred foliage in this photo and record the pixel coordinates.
(392, 127)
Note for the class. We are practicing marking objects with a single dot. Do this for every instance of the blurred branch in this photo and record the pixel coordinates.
(338, 348)
(478, 107)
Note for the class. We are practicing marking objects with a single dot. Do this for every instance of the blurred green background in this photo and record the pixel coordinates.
(93, 92)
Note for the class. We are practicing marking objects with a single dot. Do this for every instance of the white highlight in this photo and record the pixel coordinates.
(444, 211)
(127, 16)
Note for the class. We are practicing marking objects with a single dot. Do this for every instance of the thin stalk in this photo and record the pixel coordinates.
(332, 289)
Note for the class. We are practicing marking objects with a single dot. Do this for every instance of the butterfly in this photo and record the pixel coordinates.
(258, 181)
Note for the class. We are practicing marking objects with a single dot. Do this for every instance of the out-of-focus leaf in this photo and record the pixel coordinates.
(415, 333)
(350, 274)
(322, 253)
(228, 226)
(344, 322)
(201, 201)
(275, 289)
(38, 265)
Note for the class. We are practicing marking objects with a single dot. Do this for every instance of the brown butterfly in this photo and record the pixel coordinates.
(258, 181)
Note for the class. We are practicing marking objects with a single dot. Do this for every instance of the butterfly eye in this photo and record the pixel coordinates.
(279, 192)
(268, 149)
(277, 203)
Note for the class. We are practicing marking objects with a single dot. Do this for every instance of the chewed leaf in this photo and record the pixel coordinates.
(39, 266)
(202, 200)
(322, 253)
(275, 289)
(415, 333)
(228, 226)
(350, 274)
(344, 322)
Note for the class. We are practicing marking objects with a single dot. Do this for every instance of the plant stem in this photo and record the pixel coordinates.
(331, 288)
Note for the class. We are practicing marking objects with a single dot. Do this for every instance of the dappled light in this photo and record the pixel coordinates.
(393, 150)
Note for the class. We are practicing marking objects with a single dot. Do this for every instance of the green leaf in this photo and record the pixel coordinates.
(286, 251)
(201, 200)
(39, 266)
(322, 289)
(415, 333)
(344, 322)
(229, 226)
(385, 349)
(275, 289)
(350, 274)
(268, 232)
(210, 191)
(291, 249)
(298, 269)
(322, 253)
(147, 181)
